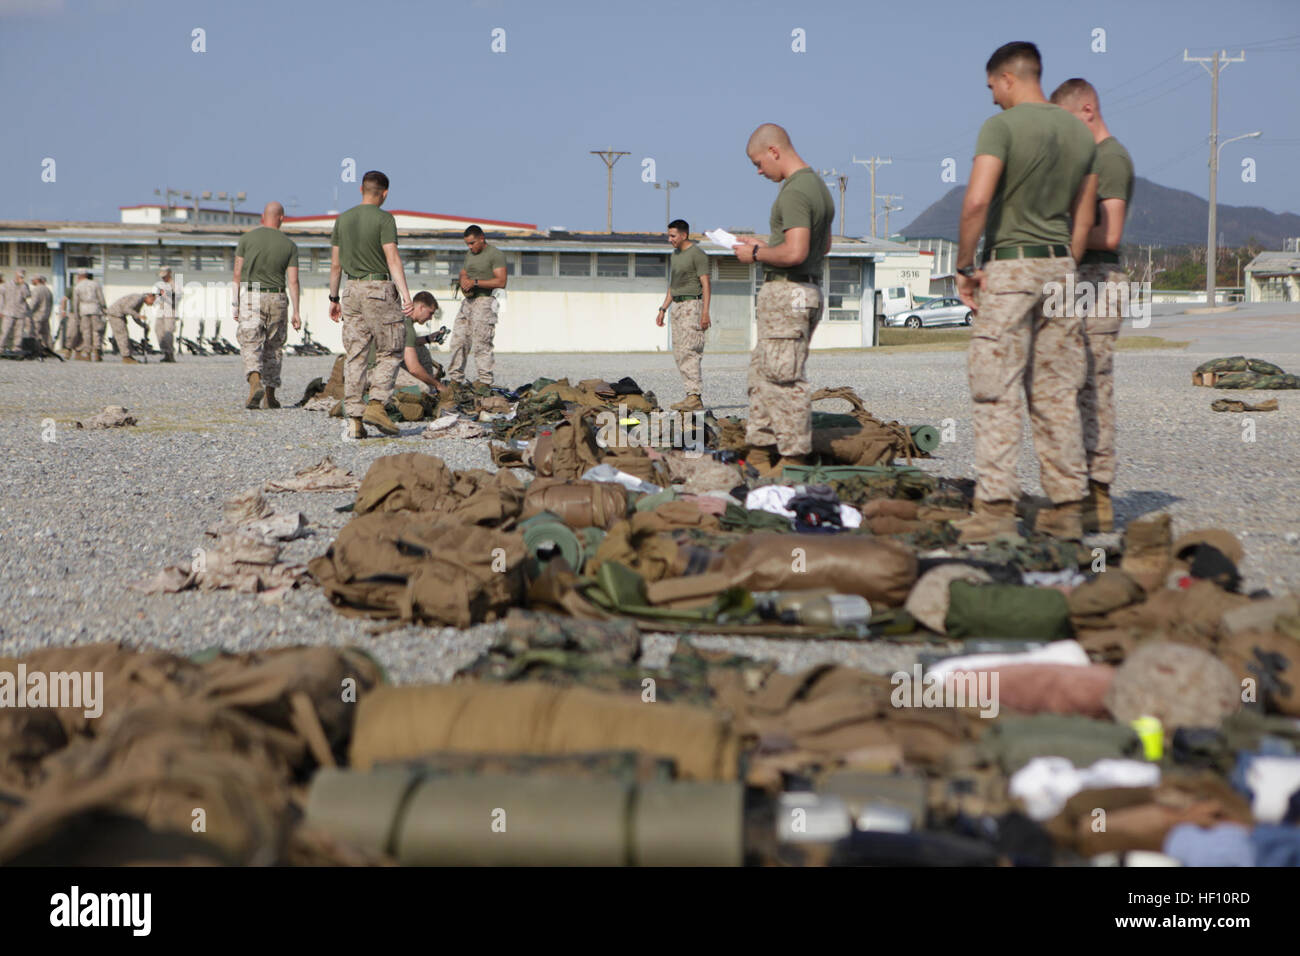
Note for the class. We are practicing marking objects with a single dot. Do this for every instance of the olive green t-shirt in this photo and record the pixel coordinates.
(360, 233)
(688, 265)
(1114, 174)
(1046, 151)
(803, 202)
(479, 265)
(267, 253)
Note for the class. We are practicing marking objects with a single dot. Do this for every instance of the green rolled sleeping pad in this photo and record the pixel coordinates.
(518, 820)
(925, 437)
(545, 533)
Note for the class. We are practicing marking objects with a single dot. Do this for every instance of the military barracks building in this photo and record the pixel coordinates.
(568, 291)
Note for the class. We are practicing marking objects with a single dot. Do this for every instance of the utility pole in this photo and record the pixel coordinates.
(1219, 62)
(889, 207)
(610, 156)
(872, 163)
(668, 188)
(843, 183)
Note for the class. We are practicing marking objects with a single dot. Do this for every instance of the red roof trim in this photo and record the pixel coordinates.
(427, 215)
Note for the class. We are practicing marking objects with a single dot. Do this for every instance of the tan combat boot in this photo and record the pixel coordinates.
(254, 390)
(270, 398)
(1098, 513)
(1064, 521)
(356, 429)
(377, 416)
(127, 360)
(989, 520)
(337, 410)
(691, 403)
(97, 357)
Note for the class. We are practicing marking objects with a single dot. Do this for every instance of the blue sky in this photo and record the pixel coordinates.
(112, 91)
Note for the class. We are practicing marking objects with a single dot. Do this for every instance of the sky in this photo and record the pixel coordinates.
(283, 93)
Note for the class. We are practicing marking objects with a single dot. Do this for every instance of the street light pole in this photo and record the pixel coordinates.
(610, 156)
(1218, 63)
(668, 192)
(1212, 248)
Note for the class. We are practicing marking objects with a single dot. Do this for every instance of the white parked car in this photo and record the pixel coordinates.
(948, 310)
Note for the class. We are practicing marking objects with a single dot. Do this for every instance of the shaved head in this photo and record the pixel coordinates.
(1075, 90)
(273, 214)
(769, 134)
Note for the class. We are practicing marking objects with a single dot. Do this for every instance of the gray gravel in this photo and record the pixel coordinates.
(86, 514)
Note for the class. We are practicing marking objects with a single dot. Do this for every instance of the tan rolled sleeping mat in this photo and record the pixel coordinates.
(881, 570)
(400, 723)
(361, 809)
(578, 503)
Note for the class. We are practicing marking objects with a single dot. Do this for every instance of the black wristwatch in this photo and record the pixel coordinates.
(967, 271)
(334, 298)
(756, 248)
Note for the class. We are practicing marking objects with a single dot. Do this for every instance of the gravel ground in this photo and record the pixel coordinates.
(88, 513)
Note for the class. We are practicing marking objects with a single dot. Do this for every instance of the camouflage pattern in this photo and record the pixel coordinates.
(688, 343)
(602, 655)
(1097, 397)
(87, 309)
(42, 304)
(1257, 380)
(13, 307)
(780, 398)
(371, 312)
(263, 328)
(1239, 363)
(88, 297)
(165, 324)
(473, 331)
(1017, 352)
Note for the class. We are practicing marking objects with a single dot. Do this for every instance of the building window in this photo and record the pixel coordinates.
(4, 253)
(611, 265)
(537, 264)
(416, 262)
(128, 259)
(169, 256)
(575, 263)
(731, 269)
(448, 264)
(651, 267)
(33, 254)
(304, 261)
(844, 291)
(211, 260)
(323, 259)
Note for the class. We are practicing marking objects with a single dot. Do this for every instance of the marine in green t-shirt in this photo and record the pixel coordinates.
(361, 233)
(364, 247)
(1031, 193)
(689, 293)
(789, 304)
(1045, 153)
(803, 202)
(688, 264)
(474, 329)
(266, 267)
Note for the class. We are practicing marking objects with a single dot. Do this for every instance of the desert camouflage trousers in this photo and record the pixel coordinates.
(1018, 353)
(15, 327)
(371, 313)
(780, 398)
(473, 331)
(121, 333)
(263, 328)
(688, 343)
(1097, 396)
(84, 333)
